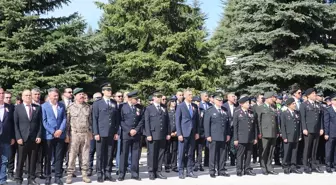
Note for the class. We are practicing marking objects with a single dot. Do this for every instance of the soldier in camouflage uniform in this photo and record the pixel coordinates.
(79, 123)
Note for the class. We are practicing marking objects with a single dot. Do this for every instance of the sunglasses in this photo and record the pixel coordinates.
(69, 92)
(119, 96)
(164, 99)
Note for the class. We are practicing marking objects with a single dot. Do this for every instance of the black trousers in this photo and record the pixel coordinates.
(200, 144)
(104, 149)
(278, 151)
(11, 161)
(330, 151)
(310, 151)
(40, 159)
(30, 149)
(299, 158)
(92, 153)
(267, 154)
(290, 155)
(156, 154)
(320, 156)
(126, 145)
(217, 156)
(56, 145)
(244, 153)
(171, 153)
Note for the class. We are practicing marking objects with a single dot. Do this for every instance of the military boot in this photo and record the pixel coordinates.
(86, 179)
(68, 179)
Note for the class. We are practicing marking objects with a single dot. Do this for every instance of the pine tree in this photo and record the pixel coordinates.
(155, 45)
(278, 43)
(41, 51)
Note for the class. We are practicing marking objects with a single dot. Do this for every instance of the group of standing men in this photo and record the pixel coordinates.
(173, 132)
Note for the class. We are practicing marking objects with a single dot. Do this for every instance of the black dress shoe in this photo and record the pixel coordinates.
(160, 176)
(167, 170)
(89, 173)
(100, 179)
(32, 182)
(121, 178)
(296, 171)
(273, 173)
(286, 171)
(74, 175)
(196, 169)
(136, 178)
(328, 170)
(108, 177)
(317, 170)
(201, 169)
(41, 176)
(224, 175)
(181, 176)
(59, 182)
(212, 175)
(239, 174)
(250, 173)
(277, 164)
(307, 171)
(192, 175)
(47, 181)
(175, 170)
(265, 173)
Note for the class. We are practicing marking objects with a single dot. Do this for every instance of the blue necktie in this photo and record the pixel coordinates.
(190, 110)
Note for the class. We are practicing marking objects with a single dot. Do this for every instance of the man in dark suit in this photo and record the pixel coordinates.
(7, 136)
(230, 107)
(187, 123)
(330, 133)
(201, 142)
(217, 132)
(158, 131)
(311, 120)
(54, 132)
(269, 130)
(257, 149)
(244, 135)
(106, 118)
(291, 134)
(131, 131)
(27, 121)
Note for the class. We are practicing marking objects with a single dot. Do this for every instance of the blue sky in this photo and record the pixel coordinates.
(87, 8)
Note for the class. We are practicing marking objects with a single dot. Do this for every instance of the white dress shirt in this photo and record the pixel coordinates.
(2, 112)
(27, 107)
(54, 107)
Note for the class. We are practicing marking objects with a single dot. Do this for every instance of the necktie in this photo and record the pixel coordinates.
(108, 103)
(29, 112)
(190, 110)
(159, 108)
(133, 109)
(220, 111)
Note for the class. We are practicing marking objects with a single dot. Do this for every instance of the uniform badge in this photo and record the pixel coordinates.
(240, 115)
(113, 105)
(34, 108)
(214, 114)
(296, 116)
(7, 109)
(163, 110)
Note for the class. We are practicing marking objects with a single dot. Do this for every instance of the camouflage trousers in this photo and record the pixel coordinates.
(79, 144)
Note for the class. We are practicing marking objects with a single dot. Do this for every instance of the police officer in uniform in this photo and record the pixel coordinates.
(330, 132)
(158, 131)
(79, 134)
(105, 127)
(131, 132)
(311, 121)
(269, 130)
(244, 135)
(217, 132)
(291, 134)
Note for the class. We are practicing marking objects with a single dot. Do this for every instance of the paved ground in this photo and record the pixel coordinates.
(204, 179)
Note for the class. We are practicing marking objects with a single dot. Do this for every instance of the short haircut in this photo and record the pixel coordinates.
(64, 90)
(95, 95)
(204, 93)
(230, 93)
(187, 90)
(53, 90)
(36, 90)
(7, 92)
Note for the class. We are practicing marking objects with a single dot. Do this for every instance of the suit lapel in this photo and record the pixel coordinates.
(5, 113)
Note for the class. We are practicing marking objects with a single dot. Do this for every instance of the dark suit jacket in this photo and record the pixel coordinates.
(202, 110)
(27, 129)
(228, 111)
(268, 121)
(131, 120)
(330, 122)
(185, 124)
(172, 122)
(216, 124)
(157, 123)
(290, 126)
(244, 126)
(7, 125)
(311, 117)
(106, 119)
